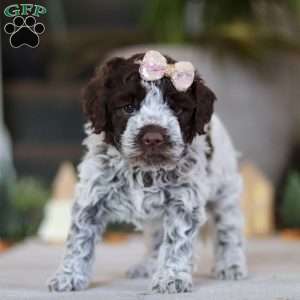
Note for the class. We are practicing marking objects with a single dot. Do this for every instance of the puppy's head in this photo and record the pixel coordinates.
(150, 123)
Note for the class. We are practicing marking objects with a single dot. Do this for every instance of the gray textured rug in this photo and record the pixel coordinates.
(274, 274)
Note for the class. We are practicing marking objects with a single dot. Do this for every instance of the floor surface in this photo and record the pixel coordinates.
(274, 273)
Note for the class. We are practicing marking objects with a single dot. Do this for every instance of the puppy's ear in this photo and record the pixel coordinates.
(95, 95)
(205, 99)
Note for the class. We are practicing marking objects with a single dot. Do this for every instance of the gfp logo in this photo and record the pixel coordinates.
(24, 30)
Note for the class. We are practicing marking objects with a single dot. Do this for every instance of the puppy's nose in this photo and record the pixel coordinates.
(152, 139)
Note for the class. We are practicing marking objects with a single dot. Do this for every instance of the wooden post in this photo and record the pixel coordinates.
(55, 226)
(257, 201)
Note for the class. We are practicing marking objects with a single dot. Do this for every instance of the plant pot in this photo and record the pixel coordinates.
(291, 234)
(115, 237)
(5, 245)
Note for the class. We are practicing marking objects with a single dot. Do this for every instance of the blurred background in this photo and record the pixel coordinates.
(247, 51)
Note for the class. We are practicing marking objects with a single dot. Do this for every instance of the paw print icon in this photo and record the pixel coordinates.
(24, 32)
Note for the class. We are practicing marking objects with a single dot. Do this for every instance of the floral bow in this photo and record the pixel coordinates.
(154, 66)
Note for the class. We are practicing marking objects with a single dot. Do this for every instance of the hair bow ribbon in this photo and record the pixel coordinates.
(154, 66)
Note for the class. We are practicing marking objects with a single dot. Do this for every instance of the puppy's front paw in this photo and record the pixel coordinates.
(65, 282)
(233, 272)
(172, 282)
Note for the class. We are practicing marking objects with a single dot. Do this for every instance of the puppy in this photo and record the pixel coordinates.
(157, 156)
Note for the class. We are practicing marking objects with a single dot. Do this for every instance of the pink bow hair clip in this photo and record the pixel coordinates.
(154, 66)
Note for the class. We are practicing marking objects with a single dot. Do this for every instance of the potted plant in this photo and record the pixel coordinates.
(22, 212)
(290, 208)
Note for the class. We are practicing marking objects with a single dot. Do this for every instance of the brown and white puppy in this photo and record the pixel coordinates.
(156, 156)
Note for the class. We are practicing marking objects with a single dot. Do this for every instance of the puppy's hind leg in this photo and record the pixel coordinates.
(229, 242)
(147, 267)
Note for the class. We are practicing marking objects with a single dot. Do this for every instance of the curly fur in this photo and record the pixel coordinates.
(118, 182)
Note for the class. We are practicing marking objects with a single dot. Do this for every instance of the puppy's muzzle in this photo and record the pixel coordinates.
(154, 145)
(152, 139)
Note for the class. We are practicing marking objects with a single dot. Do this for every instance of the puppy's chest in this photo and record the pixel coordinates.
(146, 194)
(143, 194)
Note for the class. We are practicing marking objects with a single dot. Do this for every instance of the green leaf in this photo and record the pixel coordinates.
(290, 208)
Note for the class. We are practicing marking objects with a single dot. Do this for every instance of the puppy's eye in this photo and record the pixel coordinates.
(130, 108)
